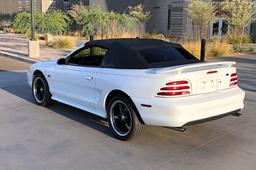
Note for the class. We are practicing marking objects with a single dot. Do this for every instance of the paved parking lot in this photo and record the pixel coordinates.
(62, 137)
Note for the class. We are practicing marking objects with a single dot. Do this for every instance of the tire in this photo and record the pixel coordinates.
(40, 90)
(122, 118)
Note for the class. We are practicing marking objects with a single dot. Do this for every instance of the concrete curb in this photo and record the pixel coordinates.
(19, 57)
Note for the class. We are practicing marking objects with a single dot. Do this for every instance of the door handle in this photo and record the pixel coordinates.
(89, 78)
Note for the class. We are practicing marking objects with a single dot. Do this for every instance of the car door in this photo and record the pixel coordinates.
(74, 82)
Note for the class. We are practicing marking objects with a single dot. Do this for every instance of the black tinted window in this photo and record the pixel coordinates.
(166, 55)
(91, 56)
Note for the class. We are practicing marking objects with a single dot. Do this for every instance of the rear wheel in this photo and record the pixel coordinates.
(122, 118)
(40, 90)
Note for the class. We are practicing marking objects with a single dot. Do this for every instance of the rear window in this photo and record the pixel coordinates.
(167, 55)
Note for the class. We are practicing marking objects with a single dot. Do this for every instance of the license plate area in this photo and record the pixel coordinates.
(207, 85)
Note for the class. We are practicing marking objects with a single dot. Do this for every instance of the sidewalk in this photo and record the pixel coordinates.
(16, 46)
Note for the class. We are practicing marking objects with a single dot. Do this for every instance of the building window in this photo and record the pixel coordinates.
(53, 5)
(215, 28)
(66, 5)
(169, 19)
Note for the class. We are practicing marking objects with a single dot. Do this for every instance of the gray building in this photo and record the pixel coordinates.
(169, 17)
(13, 6)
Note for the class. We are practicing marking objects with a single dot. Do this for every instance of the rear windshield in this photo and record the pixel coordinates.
(167, 55)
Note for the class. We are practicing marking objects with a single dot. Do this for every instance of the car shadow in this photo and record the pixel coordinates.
(15, 82)
(22, 90)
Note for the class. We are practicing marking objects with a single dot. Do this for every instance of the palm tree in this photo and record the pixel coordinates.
(76, 14)
(140, 14)
(54, 22)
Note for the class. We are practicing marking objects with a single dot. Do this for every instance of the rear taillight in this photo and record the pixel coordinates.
(233, 80)
(175, 88)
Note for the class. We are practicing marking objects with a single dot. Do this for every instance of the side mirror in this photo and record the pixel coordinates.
(61, 61)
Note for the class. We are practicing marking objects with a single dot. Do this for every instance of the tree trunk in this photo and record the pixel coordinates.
(113, 28)
(102, 32)
(193, 31)
(207, 31)
(200, 32)
(79, 35)
(142, 28)
(241, 40)
(46, 38)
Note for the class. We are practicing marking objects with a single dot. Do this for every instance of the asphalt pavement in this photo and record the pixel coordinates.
(62, 137)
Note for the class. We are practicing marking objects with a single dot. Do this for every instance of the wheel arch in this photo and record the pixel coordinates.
(120, 92)
(37, 72)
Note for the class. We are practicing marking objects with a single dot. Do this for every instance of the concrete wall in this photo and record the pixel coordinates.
(45, 5)
(253, 32)
(114, 5)
(59, 4)
(13, 6)
(8, 6)
(158, 21)
(159, 17)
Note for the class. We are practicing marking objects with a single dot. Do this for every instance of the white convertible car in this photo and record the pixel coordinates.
(133, 82)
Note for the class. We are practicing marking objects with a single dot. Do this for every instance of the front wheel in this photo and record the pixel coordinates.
(122, 118)
(40, 90)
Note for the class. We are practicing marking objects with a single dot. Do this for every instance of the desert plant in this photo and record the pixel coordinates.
(54, 22)
(102, 20)
(201, 13)
(139, 14)
(76, 14)
(97, 21)
(219, 48)
(215, 48)
(6, 19)
(252, 49)
(236, 39)
(126, 23)
(22, 23)
(154, 36)
(94, 21)
(193, 47)
(238, 49)
(239, 14)
(63, 43)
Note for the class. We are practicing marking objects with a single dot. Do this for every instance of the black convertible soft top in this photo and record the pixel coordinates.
(127, 53)
(136, 43)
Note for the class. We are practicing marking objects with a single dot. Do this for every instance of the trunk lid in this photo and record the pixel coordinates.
(202, 77)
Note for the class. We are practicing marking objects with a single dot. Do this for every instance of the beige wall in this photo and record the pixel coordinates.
(8, 6)
(46, 5)
(12, 6)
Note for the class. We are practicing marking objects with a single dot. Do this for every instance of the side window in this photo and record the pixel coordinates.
(107, 62)
(91, 56)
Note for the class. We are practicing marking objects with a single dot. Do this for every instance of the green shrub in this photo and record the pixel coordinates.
(63, 43)
(193, 47)
(22, 23)
(154, 36)
(252, 49)
(235, 39)
(238, 49)
(219, 48)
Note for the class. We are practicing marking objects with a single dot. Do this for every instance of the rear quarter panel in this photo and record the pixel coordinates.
(136, 83)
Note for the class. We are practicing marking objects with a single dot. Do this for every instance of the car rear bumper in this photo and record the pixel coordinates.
(177, 112)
